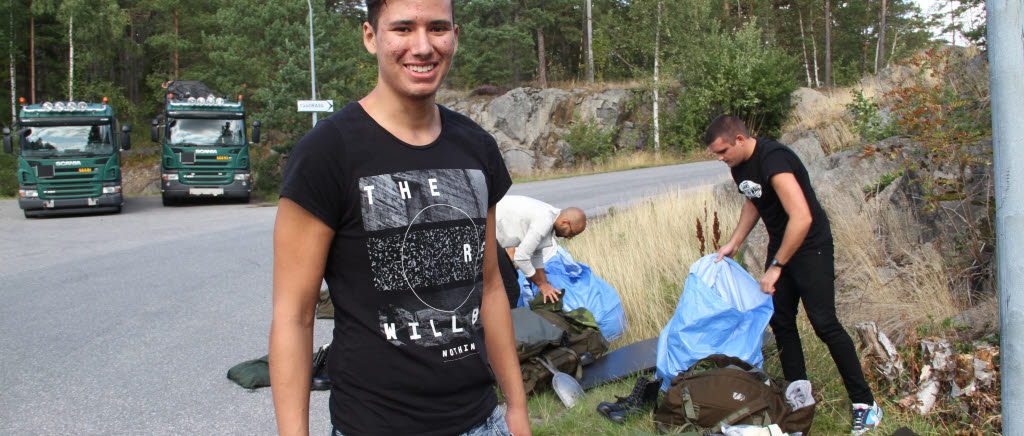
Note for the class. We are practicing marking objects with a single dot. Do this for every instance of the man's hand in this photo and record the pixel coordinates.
(549, 292)
(518, 422)
(769, 278)
(727, 250)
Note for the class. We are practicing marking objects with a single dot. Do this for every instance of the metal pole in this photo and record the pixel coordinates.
(312, 61)
(71, 58)
(1006, 61)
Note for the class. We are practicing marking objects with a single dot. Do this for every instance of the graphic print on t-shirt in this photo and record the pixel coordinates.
(750, 189)
(425, 244)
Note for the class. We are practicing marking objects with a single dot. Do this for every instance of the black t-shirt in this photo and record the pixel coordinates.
(404, 269)
(753, 178)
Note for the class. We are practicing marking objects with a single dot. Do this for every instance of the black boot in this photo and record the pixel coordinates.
(644, 395)
(606, 408)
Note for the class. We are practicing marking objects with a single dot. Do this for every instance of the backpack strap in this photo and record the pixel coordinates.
(759, 420)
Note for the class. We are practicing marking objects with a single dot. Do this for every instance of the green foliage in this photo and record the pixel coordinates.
(866, 120)
(8, 175)
(737, 74)
(589, 141)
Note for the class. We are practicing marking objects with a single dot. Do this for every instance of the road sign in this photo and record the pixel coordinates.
(316, 105)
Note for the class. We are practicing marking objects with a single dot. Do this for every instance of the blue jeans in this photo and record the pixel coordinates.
(494, 425)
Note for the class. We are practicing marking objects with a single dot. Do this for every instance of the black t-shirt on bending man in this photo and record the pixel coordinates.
(405, 269)
(753, 178)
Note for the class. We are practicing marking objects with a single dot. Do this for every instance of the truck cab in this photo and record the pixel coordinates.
(69, 157)
(205, 149)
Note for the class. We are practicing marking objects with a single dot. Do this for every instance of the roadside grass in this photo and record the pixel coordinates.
(617, 162)
(645, 252)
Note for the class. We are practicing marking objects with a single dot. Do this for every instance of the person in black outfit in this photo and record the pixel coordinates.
(391, 200)
(799, 265)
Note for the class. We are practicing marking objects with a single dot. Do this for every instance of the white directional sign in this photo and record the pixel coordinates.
(316, 105)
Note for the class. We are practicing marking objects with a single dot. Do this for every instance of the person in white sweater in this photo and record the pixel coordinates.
(525, 226)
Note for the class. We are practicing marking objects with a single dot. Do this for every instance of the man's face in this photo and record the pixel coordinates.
(729, 152)
(565, 229)
(414, 42)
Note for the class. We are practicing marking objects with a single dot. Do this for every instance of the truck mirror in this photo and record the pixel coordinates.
(256, 131)
(126, 128)
(126, 139)
(7, 130)
(7, 142)
(154, 134)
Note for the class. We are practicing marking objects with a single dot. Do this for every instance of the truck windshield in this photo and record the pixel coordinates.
(192, 131)
(40, 141)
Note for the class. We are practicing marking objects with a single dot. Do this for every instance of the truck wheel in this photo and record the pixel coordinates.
(244, 200)
(168, 201)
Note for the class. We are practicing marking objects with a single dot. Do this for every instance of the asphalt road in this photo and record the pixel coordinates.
(128, 323)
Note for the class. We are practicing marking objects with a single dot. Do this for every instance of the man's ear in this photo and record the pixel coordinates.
(740, 139)
(456, 49)
(369, 39)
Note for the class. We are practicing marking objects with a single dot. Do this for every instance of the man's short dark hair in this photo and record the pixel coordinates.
(373, 8)
(725, 126)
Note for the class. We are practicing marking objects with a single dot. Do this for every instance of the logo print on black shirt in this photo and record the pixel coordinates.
(750, 189)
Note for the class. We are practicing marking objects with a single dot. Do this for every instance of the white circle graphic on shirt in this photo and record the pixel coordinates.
(476, 269)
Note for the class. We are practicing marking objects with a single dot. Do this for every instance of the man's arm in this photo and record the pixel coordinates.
(540, 278)
(748, 218)
(301, 243)
(499, 339)
(795, 204)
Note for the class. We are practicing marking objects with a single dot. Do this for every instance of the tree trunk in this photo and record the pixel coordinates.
(590, 45)
(866, 35)
(71, 58)
(657, 49)
(803, 42)
(828, 43)
(895, 37)
(739, 14)
(880, 48)
(10, 52)
(542, 66)
(515, 52)
(176, 36)
(814, 46)
(32, 58)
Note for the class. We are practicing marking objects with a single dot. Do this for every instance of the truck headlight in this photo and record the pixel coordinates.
(243, 177)
(28, 193)
(168, 177)
(112, 189)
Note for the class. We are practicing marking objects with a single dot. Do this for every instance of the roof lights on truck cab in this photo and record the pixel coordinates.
(209, 100)
(70, 106)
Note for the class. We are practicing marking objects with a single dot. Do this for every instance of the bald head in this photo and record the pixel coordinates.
(571, 221)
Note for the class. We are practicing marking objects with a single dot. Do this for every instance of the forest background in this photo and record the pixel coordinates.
(739, 56)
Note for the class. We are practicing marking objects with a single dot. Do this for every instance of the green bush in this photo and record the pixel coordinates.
(8, 175)
(732, 73)
(866, 121)
(590, 141)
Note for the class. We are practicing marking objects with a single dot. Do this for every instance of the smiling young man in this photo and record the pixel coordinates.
(390, 200)
(799, 265)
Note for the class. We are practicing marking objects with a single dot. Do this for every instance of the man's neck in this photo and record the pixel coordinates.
(414, 121)
(748, 147)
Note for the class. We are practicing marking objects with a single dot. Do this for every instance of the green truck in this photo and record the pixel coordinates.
(69, 157)
(205, 150)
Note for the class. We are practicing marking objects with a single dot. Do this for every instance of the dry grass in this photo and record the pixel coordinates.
(883, 273)
(618, 162)
(645, 253)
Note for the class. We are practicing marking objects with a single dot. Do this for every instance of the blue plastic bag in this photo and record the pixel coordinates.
(582, 288)
(722, 311)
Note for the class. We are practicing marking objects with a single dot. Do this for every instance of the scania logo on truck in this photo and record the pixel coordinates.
(205, 151)
(67, 163)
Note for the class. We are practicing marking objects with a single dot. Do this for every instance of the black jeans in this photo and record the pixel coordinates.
(810, 277)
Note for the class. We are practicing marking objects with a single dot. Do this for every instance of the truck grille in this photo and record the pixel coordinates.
(68, 190)
(197, 177)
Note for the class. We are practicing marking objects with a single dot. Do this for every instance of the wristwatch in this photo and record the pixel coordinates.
(775, 262)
